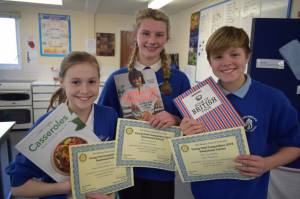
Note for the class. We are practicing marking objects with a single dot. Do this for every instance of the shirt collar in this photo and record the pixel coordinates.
(155, 67)
(241, 92)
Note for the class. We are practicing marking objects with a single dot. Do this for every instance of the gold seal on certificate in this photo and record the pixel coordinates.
(210, 155)
(140, 145)
(93, 170)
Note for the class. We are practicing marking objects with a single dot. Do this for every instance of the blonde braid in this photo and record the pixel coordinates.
(157, 15)
(133, 58)
(165, 87)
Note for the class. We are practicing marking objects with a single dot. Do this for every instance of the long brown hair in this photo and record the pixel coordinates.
(157, 15)
(74, 58)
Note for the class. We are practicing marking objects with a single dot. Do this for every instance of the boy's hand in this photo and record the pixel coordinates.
(251, 165)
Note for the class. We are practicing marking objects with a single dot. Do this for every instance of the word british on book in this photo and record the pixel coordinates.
(205, 102)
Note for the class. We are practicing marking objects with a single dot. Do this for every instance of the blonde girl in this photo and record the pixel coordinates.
(152, 32)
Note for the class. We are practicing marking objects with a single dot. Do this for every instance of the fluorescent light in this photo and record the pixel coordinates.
(156, 4)
(50, 2)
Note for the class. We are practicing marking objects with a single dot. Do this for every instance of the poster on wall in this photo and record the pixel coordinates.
(55, 35)
(193, 44)
(105, 44)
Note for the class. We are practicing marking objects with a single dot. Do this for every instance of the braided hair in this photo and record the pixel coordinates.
(157, 15)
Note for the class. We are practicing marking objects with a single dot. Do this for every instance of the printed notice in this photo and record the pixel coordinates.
(270, 63)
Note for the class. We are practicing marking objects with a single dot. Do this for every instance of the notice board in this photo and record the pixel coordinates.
(237, 13)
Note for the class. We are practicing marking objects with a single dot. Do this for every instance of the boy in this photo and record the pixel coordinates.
(268, 114)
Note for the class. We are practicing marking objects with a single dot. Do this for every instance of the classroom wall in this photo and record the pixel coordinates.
(85, 25)
(295, 8)
(112, 24)
(180, 28)
(81, 28)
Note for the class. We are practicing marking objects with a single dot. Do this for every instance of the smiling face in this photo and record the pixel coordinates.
(228, 53)
(81, 85)
(151, 38)
(229, 67)
(137, 82)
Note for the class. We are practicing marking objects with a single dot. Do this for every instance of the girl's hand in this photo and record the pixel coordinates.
(190, 126)
(163, 120)
(251, 165)
(100, 196)
(65, 187)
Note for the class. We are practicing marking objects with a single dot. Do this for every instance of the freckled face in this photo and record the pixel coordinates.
(151, 39)
(229, 67)
(81, 84)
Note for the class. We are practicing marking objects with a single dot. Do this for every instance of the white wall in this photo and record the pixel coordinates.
(295, 8)
(85, 25)
(112, 24)
(81, 29)
(180, 27)
(180, 31)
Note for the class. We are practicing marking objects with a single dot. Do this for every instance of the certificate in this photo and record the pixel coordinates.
(93, 170)
(210, 155)
(140, 145)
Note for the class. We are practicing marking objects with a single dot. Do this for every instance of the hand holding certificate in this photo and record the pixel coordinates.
(210, 155)
(93, 170)
(140, 145)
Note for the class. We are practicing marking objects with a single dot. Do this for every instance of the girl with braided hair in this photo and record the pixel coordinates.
(152, 31)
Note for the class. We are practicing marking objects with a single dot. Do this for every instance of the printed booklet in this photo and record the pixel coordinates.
(138, 94)
(206, 102)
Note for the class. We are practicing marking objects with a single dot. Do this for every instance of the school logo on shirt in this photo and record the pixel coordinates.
(250, 123)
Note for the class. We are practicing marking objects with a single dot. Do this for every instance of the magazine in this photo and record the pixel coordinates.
(47, 145)
(205, 102)
(138, 94)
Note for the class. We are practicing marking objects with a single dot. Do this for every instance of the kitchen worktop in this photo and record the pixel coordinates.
(5, 127)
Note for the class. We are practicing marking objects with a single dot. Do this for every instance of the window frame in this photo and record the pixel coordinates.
(18, 66)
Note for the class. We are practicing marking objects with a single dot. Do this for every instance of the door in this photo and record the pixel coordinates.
(127, 45)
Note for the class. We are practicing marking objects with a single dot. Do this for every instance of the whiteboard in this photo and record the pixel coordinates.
(238, 13)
